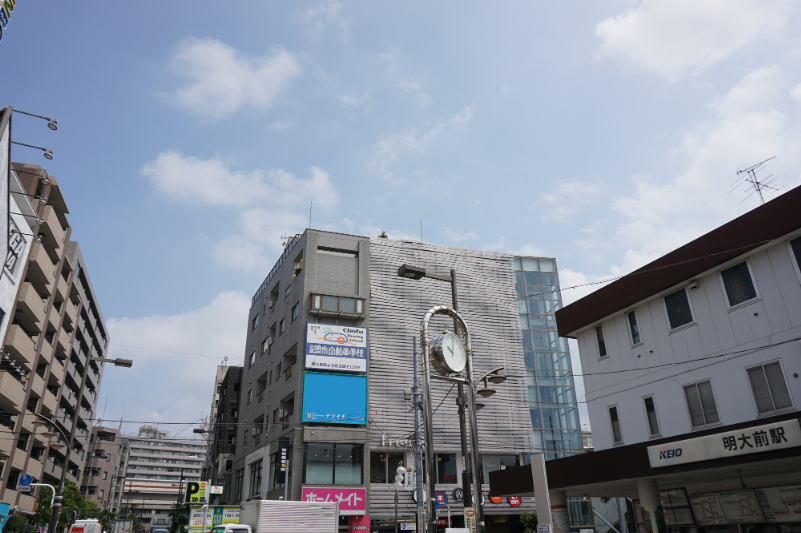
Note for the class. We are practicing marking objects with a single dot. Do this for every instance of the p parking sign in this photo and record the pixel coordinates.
(196, 492)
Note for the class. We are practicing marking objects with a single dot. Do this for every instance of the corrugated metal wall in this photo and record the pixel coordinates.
(487, 301)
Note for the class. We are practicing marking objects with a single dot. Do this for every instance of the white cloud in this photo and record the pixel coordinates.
(223, 80)
(746, 127)
(423, 99)
(532, 250)
(460, 235)
(390, 148)
(568, 196)
(674, 37)
(356, 100)
(183, 381)
(190, 180)
(796, 93)
(319, 18)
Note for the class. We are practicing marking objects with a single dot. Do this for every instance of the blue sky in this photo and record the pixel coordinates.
(193, 135)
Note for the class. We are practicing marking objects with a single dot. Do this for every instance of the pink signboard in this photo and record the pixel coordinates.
(360, 524)
(351, 501)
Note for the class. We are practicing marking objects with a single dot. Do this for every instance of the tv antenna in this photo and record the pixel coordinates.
(284, 239)
(748, 177)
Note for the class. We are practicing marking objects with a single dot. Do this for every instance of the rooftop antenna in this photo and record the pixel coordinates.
(122, 415)
(104, 408)
(284, 240)
(749, 176)
(225, 361)
(158, 421)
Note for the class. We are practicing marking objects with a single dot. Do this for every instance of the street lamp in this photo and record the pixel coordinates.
(417, 273)
(127, 363)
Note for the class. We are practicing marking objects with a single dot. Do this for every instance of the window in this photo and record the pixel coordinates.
(333, 464)
(701, 402)
(238, 482)
(678, 309)
(250, 395)
(265, 345)
(634, 328)
(252, 358)
(255, 478)
(795, 248)
(337, 304)
(105, 474)
(491, 463)
(599, 334)
(102, 493)
(770, 389)
(282, 326)
(287, 291)
(617, 435)
(738, 283)
(650, 414)
(255, 321)
(296, 311)
(383, 465)
(276, 475)
(446, 468)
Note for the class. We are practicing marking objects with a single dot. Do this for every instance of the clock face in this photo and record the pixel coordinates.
(453, 354)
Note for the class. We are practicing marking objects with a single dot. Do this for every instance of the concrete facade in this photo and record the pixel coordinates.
(364, 270)
(102, 462)
(54, 327)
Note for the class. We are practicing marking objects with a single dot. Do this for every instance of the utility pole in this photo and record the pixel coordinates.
(418, 444)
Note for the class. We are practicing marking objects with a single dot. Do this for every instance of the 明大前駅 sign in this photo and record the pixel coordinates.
(6, 10)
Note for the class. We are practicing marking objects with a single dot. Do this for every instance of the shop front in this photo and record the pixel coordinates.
(743, 478)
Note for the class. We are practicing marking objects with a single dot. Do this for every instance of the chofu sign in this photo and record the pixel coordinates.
(6, 9)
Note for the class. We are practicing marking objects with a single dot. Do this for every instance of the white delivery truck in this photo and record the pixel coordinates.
(86, 526)
(275, 516)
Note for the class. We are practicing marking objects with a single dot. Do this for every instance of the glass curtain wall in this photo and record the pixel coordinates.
(551, 391)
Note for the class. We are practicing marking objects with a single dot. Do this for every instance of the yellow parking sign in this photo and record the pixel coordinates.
(196, 491)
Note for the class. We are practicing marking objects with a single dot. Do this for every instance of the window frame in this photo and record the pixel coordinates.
(255, 322)
(599, 341)
(714, 398)
(295, 311)
(282, 327)
(333, 462)
(652, 435)
(793, 260)
(689, 324)
(622, 440)
(774, 412)
(628, 327)
(755, 299)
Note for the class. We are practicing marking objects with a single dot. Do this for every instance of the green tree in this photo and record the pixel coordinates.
(73, 506)
(106, 518)
(18, 524)
(383, 235)
(136, 523)
(529, 522)
(179, 519)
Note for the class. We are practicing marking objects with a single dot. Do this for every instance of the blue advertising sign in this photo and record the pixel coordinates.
(334, 398)
(339, 348)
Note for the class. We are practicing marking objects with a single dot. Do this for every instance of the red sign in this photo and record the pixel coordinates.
(515, 501)
(360, 524)
(443, 521)
(496, 499)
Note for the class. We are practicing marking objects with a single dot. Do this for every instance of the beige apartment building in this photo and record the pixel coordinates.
(100, 472)
(54, 328)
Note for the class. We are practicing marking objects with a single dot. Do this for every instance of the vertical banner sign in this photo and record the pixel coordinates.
(337, 348)
(283, 452)
(5, 174)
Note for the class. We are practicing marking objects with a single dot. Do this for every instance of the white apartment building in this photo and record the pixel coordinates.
(691, 367)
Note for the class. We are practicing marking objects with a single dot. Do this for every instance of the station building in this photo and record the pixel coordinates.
(691, 367)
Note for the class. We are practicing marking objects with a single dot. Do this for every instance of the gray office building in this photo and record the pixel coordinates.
(328, 362)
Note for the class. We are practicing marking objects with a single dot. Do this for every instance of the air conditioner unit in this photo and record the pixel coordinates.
(270, 340)
(256, 431)
(282, 413)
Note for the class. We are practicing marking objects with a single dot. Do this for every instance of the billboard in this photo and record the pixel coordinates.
(334, 398)
(338, 348)
(215, 516)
